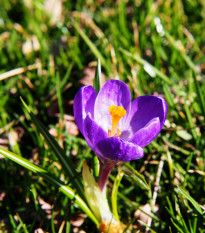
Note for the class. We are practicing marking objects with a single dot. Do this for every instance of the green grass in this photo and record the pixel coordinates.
(156, 47)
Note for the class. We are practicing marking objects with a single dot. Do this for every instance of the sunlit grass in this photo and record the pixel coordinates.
(156, 47)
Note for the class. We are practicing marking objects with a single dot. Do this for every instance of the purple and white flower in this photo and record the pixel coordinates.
(115, 128)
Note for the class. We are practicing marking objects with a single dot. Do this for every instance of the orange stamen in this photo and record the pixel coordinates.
(117, 112)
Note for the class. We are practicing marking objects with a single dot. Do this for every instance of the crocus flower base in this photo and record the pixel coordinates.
(116, 227)
(96, 200)
(99, 205)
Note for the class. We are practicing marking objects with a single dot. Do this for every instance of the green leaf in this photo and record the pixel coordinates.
(68, 191)
(97, 81)
(137, 177)
(60, 154)
(188, 197)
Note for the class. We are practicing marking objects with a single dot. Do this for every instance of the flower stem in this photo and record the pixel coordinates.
(105, 169)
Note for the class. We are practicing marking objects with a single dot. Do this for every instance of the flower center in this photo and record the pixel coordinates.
(117, 112)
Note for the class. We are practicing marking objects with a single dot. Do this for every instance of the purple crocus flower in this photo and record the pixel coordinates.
(115, 128)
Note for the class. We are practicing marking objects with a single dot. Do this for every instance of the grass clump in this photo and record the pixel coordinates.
(48, 50)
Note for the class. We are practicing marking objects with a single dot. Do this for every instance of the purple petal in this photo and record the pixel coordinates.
(147, 134)
(83, 104)
(148, 114)
(93, 133)
(114, 92)
(116, 149)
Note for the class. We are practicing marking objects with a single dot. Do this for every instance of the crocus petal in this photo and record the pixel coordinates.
(148, 114)
(116, 149)
(93, 132)
(83, 104)
(147, 134)
(114, 92)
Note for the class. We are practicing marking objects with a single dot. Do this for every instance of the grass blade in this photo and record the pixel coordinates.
(143, 62)
(60, 101)
(64, 160)
(114, 194)
(92, 47)
(168, 95)
(122, 18)
(97, 80)
(179, 228)
(191, 122)
(188, 197)
(69, 192)
(147, 227)
(22, 225)
(199, 93)
(137, 177)
(192, 66)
